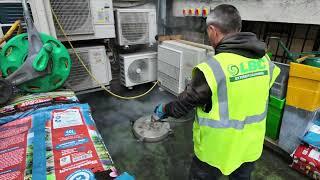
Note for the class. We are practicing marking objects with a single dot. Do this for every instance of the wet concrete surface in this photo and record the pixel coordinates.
(166, 160)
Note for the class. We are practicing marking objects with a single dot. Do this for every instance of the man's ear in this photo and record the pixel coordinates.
(211, 27)
(213, 30)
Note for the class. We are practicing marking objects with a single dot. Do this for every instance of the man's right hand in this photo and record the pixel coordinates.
(159, 111)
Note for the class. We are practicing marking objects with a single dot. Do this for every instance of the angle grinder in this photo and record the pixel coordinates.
(150, 129)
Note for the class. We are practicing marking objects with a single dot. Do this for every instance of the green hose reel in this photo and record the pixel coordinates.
(52, 58)
(311, 58)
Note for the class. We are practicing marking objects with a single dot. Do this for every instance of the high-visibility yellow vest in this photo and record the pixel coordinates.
(232, 132)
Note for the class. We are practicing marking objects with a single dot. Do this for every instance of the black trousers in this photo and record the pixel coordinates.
(202, 171)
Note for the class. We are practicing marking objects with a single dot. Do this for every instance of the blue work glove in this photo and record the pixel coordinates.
(159, 111)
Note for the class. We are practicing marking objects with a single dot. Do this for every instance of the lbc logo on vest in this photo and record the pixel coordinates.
(247, 70)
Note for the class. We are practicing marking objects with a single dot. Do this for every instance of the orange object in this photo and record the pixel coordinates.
(205, 12)
(198, 12)
(184, 11)
(304, 87)
(191, 11)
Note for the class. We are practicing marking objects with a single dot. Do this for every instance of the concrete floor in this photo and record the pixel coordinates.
(166, 160)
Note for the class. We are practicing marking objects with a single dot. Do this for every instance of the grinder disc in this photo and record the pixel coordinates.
(146, 130)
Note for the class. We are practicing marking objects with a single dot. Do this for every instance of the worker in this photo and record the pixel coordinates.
(230, 92)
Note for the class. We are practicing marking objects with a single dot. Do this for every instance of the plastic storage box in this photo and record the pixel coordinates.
(304, 87)
(274, 117)
(279, 88)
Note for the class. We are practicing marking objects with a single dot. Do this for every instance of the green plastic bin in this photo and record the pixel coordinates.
(274, 117)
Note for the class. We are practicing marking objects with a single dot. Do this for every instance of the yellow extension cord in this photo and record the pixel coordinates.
(91, 75)
(16, 26)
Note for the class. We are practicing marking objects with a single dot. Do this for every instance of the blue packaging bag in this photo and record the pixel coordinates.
(38, 167)
(312, 136)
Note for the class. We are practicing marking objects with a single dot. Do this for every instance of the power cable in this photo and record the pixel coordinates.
(90, 73)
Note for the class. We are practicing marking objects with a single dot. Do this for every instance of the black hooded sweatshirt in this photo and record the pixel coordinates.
(198, 92)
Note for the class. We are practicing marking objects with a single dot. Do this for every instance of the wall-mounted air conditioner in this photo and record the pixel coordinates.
(175, 63)
(96, 60)
(84, 19)
(136, 26)
(138, 68)
(81, 19)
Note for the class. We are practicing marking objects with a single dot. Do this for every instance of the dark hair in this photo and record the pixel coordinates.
(225, 17)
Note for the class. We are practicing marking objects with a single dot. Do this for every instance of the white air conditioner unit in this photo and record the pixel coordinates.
(138, 68)
(136, 26)
(84, 19)
(81, 19)
(95, 58)
(175, 63)
(11, 10)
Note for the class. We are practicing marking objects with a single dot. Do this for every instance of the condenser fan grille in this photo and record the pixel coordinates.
(138, 71)
(74, 16)
(78, 73)
(135, 27)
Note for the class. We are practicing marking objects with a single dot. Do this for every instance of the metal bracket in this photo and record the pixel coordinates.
(26, 72)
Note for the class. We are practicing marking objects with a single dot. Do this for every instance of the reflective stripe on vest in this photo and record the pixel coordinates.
(224, 121)
(271, 68)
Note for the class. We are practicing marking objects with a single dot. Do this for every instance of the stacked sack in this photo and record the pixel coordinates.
(35, 101)
(306, 158)
(52, 136)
